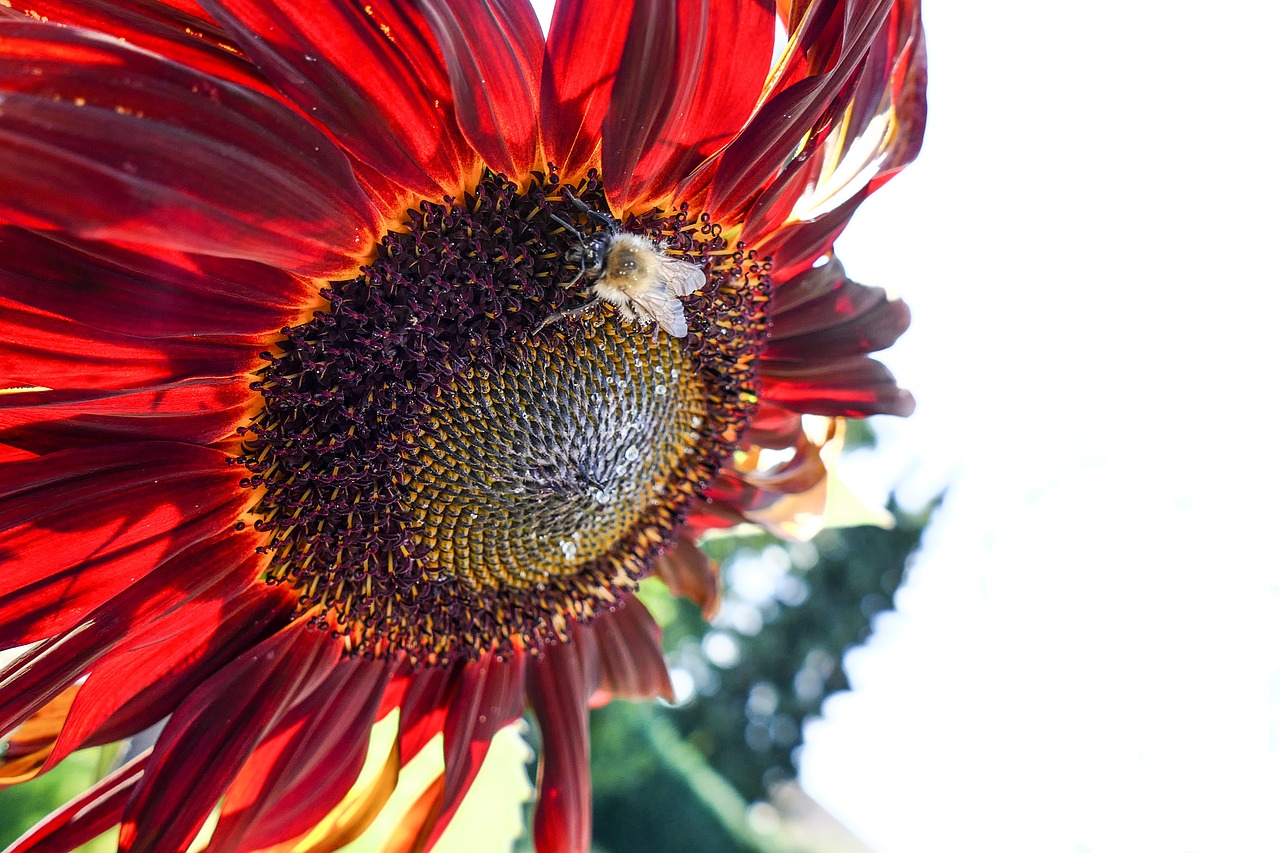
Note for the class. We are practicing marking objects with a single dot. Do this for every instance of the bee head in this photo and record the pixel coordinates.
(594, 250)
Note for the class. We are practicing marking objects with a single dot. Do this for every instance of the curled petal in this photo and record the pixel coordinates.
(688, 572)
(795, 246)
(881, 127)
(804, 470)
(868, 133)
(775, 204)
(774, 427)
(832, 38)
(28, 747)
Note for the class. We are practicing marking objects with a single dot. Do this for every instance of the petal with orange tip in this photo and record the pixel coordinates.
(30, 745)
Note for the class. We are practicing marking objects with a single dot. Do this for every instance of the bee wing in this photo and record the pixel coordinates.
(680, 277)
(664, 308)
(672, 278)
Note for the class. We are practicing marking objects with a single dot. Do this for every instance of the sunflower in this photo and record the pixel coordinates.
(313, 415)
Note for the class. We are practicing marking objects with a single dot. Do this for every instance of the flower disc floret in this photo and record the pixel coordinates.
(465, 453)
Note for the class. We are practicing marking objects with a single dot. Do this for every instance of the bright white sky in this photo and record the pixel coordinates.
(1086, 656)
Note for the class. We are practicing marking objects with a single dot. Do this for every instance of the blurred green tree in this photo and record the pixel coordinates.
(773, 654)
(682, 778)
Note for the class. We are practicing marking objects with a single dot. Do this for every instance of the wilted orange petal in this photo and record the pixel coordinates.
(32, 742)
(690, 573)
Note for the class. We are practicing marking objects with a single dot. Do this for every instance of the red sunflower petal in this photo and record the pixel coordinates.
(804, 470)
(891, 82)
(774, 205)
(774, 427)
(822, 326)
(306, 765)
(688, 77)
(576, 83)
(154, 294)
(410, 833)
(34, 678)
(796, 246)
(86, 816)
(493, 50)
(92, 320)
(837, 39)
(47, 668)
(424, 709)
(560, 681)
(875, 126)
(202, 411)
(214, 732)
(489, 696)
(716, 514)
(470, 702)
(143, 680)
(632, 665)
(181, 32)
(357, 72)
(27, 747)
(851, 387)
(54, 353)
(730, 497)
(822, 313)
(157, 154)
(80, 526)
(13, 454)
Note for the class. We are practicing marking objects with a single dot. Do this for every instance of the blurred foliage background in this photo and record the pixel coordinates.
(715, 772)
(708, 773)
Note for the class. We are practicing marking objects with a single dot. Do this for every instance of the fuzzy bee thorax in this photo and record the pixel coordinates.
(631, 259)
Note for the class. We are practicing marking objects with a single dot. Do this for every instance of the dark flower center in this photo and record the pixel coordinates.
(466, 453)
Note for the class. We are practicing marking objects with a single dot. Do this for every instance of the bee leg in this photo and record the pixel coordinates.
(587, 209)
(560, 315)
(570, 228)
